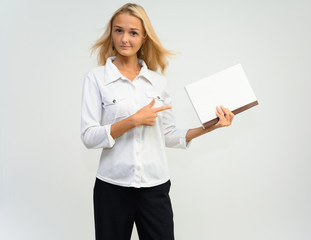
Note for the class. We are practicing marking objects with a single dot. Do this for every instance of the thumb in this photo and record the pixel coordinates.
(151, 103)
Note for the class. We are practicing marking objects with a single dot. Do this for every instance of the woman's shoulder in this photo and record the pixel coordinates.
(96, 75)
(157, 78)
(155, 74)
(95, 70)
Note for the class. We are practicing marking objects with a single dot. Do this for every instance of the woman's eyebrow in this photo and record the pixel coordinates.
(137, 29)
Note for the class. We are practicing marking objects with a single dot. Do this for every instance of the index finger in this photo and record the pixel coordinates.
(162, 108)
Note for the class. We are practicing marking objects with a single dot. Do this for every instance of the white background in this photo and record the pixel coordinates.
(249, 181)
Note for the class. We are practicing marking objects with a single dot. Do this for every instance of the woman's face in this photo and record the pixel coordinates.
(127, 34)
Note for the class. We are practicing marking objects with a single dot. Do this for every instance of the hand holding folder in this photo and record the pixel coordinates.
(225, 117)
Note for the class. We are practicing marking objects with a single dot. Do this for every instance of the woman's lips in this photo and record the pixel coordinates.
(125, 47)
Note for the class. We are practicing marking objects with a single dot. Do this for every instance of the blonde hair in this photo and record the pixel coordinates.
(154, 54)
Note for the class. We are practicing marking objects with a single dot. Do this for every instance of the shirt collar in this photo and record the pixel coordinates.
(112, 73)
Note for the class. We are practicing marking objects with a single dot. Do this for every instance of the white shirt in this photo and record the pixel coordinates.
(137, 158)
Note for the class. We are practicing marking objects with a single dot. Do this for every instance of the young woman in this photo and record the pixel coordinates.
(127, 113)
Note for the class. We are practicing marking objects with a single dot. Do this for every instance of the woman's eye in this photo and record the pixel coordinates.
(118, 30)
(134, 33)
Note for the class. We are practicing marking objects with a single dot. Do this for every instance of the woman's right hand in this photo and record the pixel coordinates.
(147, 115)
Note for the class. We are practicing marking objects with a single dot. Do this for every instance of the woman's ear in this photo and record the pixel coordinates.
(145, 37)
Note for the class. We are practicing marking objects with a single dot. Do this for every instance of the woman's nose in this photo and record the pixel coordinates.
(125, 38)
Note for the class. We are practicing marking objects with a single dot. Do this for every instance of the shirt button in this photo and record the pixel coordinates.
(114, 101)
(158, 97)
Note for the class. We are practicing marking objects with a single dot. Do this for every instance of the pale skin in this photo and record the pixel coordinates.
(128, 36)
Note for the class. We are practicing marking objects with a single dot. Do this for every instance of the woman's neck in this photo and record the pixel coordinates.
(127, 63)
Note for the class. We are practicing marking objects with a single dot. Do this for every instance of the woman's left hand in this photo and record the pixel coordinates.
(225, 117)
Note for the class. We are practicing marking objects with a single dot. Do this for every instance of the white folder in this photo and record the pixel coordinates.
(229, 88)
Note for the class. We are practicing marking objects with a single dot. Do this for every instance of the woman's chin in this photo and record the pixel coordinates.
(126, 53)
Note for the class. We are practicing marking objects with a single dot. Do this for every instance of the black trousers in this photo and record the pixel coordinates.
(116, 209)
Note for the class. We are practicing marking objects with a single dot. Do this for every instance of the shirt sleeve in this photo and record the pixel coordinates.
(93, 134)
(174, 137)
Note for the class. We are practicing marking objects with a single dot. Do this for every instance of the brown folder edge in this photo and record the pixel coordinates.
(235, 112)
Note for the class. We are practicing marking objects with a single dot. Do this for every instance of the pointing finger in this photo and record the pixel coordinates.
(162, 108)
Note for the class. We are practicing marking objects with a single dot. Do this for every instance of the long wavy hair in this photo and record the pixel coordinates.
(154, 54)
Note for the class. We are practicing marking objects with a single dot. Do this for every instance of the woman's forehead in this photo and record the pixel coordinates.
(126, 20)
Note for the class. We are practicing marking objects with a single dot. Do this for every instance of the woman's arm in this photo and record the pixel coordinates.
(225, 119)
(147, 116)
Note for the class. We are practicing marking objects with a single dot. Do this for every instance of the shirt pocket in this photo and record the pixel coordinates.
(158, 96)
(115, 108)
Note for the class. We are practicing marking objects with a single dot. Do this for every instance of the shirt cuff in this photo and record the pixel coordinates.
(111, 141)
(182, 140)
